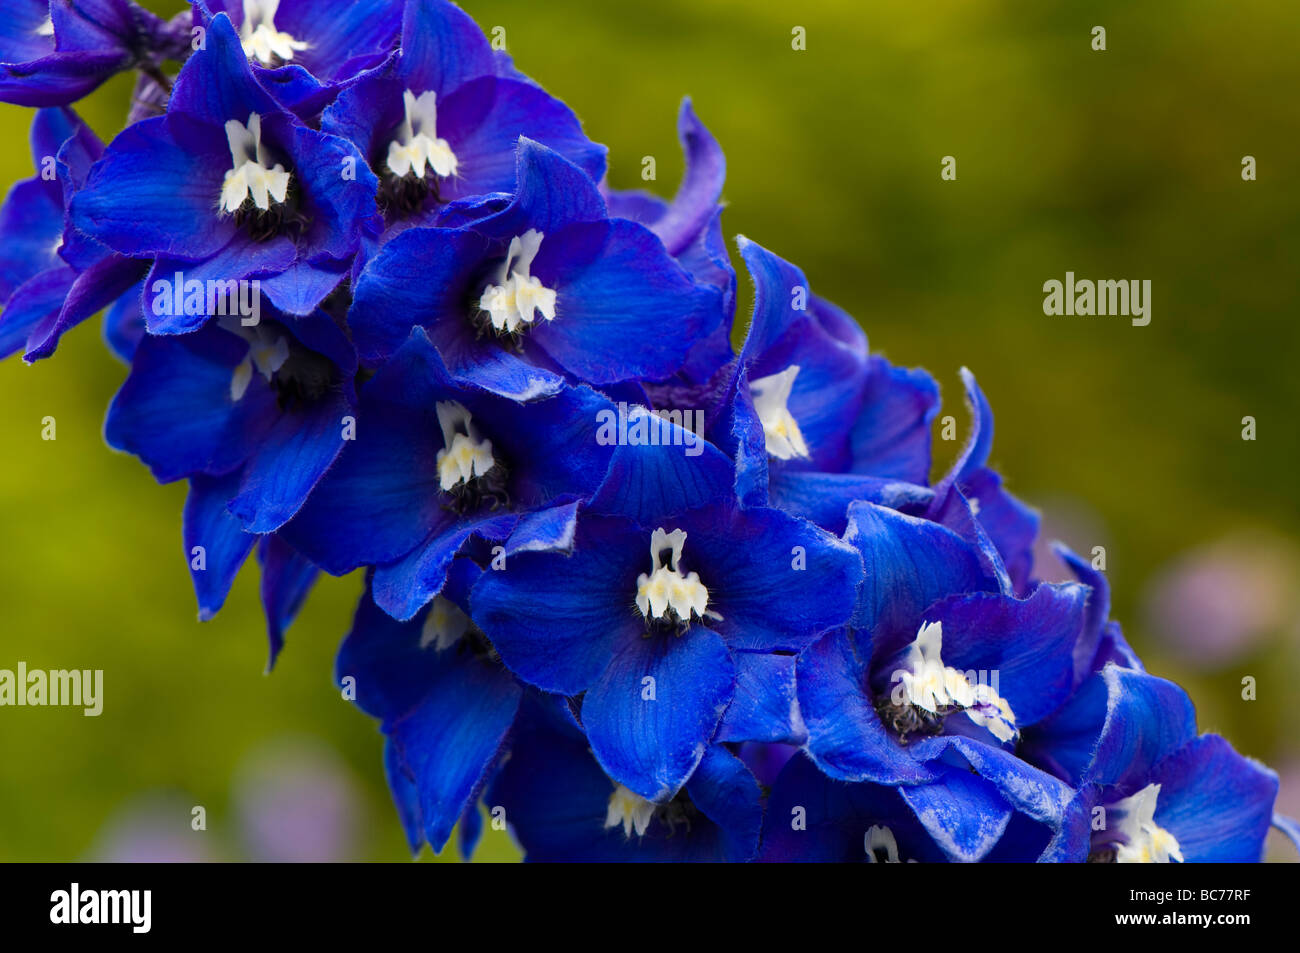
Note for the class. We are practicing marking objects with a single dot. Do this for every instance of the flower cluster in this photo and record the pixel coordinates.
(643, 596)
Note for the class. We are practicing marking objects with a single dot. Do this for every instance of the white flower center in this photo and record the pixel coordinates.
(267, 351)
(444, 626)
(517, 296)
(46, 28)
(665, 593)
(630, 810)
(780, 429)
(1144, 842)
(417, 143)
(259, 37)
(464, 455)
(248, 173)
(930, 685)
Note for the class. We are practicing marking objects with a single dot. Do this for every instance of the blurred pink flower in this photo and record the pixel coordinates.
(1216, 603)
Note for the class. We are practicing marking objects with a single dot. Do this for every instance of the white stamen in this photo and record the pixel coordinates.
(1145, 842)
(259, 37)
(517, 296)
(248, 172)
(417, 143)
(665, 592)
(780, 430)
(881, 838)
(444, 626)
(464, 455)
(267, 351)
(929, 684)
(629, 809)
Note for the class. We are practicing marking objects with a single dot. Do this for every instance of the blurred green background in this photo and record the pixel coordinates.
(1117, 164)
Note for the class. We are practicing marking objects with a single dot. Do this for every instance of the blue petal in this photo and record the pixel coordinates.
(95, 288)
(979, 442)
(697, 197)
(1033, 793)
(545, 530)
(891, 436)
(963, 812)
(35, 303)
(652, 711)
(442, 47)
(483, 121)
(1098, 609)
(20, 36)
(382, 497)
(59, 78)
(744, 556)
(301, 287)
(679, 471)
(31, 223)
(225, 544)
(421, 277)
(824, 498)
(390, 671)
(216, 84)
(624, 309)
(286, 579)
(148, 195)
(723, 789)
(406, 797)
(1114, 728)
(910, 563)
(950, 508)
(166, 309)
(1289, 827)
(556, 800)
(346, 33)
(175, 411)
(787, 331)
(1010, 524)
(1218, 804)
(550, 193)
(1029, 643)
(451, 738)
(845, 735)
(403, 587)
(764, 707)
(469, 831)
(555, 619)
(293, 457)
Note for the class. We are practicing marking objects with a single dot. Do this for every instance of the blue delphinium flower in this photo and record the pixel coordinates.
(52, 54)
(651, 598)
(51, 276)
(643, 618)
(544, 286)
(1148, 789)
(816, 422)
(434, 464)
(304, 51)
(252, 416)
(437, 123)
(228, 186)
(445, 702)
(561, 806)
(935, 679)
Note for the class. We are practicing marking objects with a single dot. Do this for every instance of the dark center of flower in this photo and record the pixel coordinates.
(305, 377)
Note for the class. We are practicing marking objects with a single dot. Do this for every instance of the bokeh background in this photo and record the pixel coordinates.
(1117, 164)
